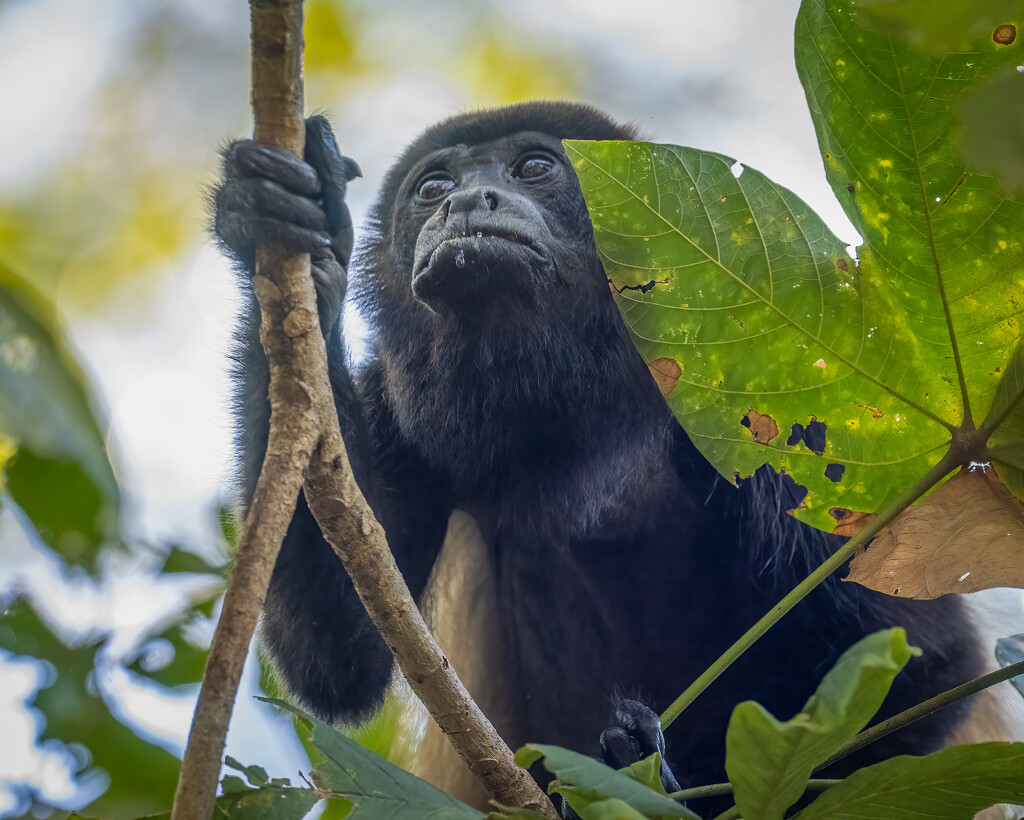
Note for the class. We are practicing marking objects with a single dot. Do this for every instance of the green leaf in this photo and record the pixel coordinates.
(648, 772)
(182, 560)
(770, 761)
(993, 128)
(374, 786)
(233, 785)
(953, 784)
(583, 781)
(610, 809)
(256, 775)
(266, 803)
(188, 661)
(143, 776)
(61, 476)
(741, 288)
(759, 326)
(942, 240)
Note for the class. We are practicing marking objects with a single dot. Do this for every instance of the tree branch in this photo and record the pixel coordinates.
(303, 420)
(287, 304)
(357, 538)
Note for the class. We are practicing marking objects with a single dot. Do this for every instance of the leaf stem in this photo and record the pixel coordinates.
(942, 468)
(720, 789)
(915, 713)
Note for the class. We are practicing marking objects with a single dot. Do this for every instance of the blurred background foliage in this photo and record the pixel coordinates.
(116, 313)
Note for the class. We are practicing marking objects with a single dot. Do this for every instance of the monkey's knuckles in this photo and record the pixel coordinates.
(248, 158)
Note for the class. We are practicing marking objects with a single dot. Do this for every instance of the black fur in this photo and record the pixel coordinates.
(503, 382)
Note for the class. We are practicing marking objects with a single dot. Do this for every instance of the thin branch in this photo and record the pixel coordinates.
(284, 290)
(304, 419)
(946, 464)
(720, 789)
(915, 713)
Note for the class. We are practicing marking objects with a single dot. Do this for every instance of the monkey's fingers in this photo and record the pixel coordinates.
(251, 210)
(248, 158)
(334, 170)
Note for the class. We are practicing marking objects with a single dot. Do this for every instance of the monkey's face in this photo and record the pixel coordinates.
(503, 218)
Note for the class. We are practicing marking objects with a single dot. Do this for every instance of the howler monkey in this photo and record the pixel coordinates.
(502, 384)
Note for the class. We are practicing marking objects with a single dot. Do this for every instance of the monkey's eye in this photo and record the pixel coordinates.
(435, 186)
(533, 167)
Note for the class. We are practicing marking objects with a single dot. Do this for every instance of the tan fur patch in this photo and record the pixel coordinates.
(460, 606)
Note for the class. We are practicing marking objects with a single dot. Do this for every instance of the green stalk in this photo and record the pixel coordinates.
(719, 789)
(945, 465)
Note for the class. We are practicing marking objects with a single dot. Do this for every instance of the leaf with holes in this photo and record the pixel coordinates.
(782, 348)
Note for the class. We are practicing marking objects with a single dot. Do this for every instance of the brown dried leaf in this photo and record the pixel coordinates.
(666, 373)
(850, 522)
(761, 426)
(967, 535)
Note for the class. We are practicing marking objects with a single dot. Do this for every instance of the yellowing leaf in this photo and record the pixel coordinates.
(967, 535)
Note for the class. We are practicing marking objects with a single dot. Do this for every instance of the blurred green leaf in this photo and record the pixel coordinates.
(993, 127)
(954, 784)
(180, 560)
(375, 787)
(938, 25)
(585, 782)
(187, 664)
(142, 776)
(770, 761)
(330, 33)
(61, 476)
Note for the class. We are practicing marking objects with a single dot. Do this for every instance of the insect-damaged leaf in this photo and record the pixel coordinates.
(967, 535)
(734, 277)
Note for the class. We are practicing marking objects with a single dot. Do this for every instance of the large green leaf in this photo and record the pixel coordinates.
(953, 784)
(770, 761)
(761, 328)
(61, 476)
(376, 787)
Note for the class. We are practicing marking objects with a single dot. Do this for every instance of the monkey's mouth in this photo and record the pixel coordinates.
(482, 263)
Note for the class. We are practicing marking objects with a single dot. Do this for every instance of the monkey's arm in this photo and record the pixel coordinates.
(314, 626)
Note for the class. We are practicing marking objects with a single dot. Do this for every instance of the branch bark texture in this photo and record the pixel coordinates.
(287, 305)
(305, 444)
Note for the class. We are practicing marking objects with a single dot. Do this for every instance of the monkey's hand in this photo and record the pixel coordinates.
(636, 734)
(267, 193)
